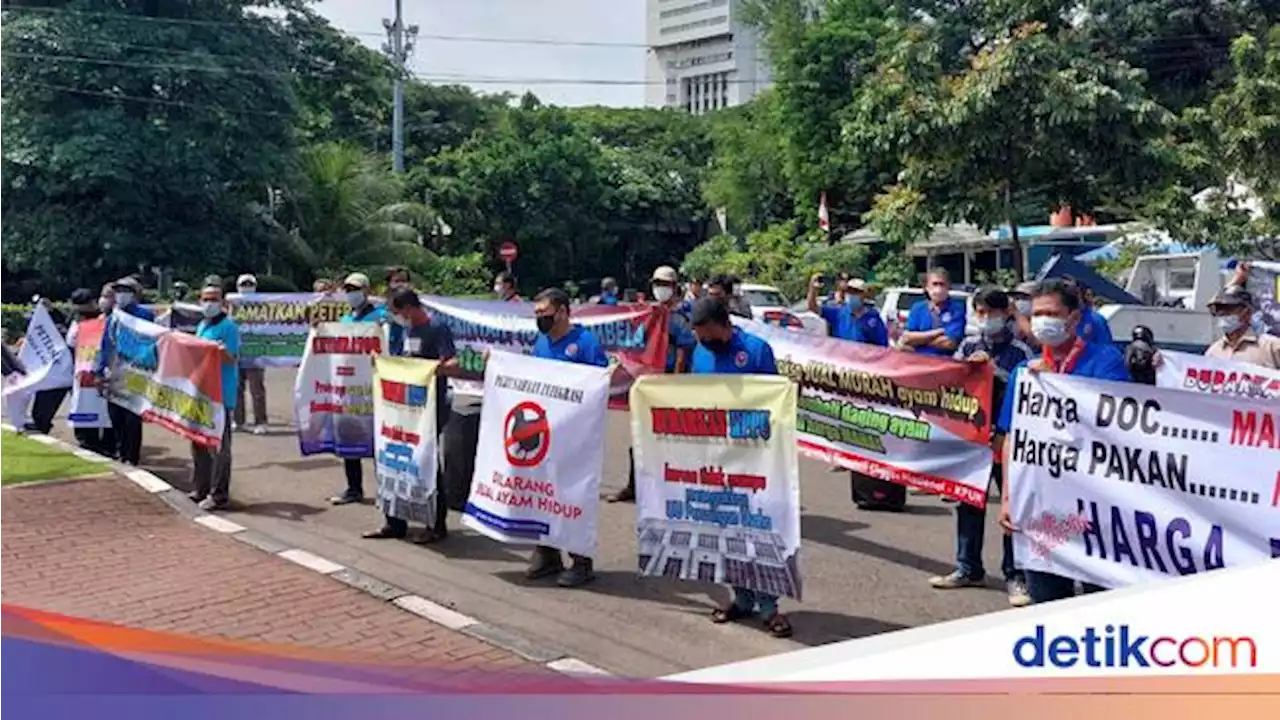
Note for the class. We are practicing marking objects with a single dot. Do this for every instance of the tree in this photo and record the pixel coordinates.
(747, 177)
(776, 256)
(136, 135)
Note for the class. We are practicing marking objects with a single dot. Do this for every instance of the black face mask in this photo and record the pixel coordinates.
(545, 323)
(715, 345)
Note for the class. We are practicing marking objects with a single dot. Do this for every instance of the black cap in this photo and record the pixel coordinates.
(1232, 296)
(83, 296)
(709, 309)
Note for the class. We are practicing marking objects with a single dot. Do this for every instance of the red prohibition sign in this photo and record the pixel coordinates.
(527, 434)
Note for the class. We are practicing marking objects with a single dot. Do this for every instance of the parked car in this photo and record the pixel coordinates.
(769, 305)
(895, 304)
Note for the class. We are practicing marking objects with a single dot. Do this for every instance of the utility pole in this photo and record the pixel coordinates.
(398, 47)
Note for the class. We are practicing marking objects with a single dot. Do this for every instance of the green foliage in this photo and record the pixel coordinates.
(895, 270)
(746, 177)
(1004, 278)
(1127, 255)
(774, 256)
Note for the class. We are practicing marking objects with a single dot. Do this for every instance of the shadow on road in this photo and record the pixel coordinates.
(838, 534)
(625, 584)
(473, 546)
(280, 509)
(821, 628)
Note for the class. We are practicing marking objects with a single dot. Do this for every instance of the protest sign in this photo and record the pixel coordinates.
(1216, 376)
(404, 413)
(1117, 484)
(184, 317)
(274, 326)
(333, 392)
(48, 363)
(907, 418)
(88, 406)
(635, 336)
(540, 453)
(717, 480)
(166, 377)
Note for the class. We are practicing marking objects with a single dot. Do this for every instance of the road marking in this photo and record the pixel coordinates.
(147, 481)
(92, 457)
(574, 666)
(222, 525)
(311, 562)
(434, 612)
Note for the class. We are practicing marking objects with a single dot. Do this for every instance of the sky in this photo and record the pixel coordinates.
(502, 66)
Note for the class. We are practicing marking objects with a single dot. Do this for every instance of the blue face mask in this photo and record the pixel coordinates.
(854, 302)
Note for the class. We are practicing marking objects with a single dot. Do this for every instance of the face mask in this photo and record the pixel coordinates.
(248, 289)
(545, 323)
(937, 295)
(124, 299)
(499, 290)
(105, 304)
(662, 293)
(1024, 307)
(1049, 331)
(210, 309)
(355, 299)
(994, 326)
(1229, 324)
(402, 321)
(737, 289)
(855, 302)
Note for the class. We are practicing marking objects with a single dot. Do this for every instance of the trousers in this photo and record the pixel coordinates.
(128, 427)
(255, 378)
(211, 469)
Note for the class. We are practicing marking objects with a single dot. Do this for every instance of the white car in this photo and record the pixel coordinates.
(769, 305)
(895, 304)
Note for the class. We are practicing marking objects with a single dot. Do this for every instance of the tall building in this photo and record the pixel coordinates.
(701, 55)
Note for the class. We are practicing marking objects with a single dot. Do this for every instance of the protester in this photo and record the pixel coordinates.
(45, 403)
(211, 468)
(1093, 327)
(1055, 315)
(608, 291)
(852, 319)
(356, 288)
(560, 339)
(721, 287)
(253, 377)
(504, 286)
(1021, 297)
(432, 341)
(322, 285)
(1232, 310)
(680, 344)
(994, 343)
(86, 308)
(935, 326)
(179, 291)
(725, 350)
(397, 277)
(124, 296)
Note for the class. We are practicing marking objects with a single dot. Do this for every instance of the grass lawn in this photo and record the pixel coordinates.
(23, 460)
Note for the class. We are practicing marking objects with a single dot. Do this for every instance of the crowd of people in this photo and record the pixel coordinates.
(1044, 327)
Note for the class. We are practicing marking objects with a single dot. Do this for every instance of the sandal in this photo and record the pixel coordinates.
(728, 613)
(778, 625)
(429, 537)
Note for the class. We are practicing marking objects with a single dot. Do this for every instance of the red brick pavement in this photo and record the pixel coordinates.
(107, 550)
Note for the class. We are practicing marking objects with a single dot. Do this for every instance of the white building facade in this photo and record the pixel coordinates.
(701, 56)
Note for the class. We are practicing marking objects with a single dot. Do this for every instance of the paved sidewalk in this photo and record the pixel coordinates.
(108, 550)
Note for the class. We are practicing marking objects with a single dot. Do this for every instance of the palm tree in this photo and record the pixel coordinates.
(348, 213)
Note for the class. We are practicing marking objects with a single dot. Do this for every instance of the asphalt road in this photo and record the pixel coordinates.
(864, 572)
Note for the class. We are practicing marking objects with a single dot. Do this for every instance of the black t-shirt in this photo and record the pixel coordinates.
(433, 341)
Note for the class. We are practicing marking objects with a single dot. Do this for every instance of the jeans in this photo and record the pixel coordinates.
(749, 601)
(255, 379)
(1047, 587)
(211, 469)
(128, 431)
(971, 523)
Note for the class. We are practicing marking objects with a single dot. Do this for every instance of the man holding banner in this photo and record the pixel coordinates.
(122, 295)
(1055, 315)
(356, 287)
(211, 466)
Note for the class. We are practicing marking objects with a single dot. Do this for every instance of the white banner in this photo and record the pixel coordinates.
(1118, 484)
(1217, 377)
(404, 412)
(48, 363)
(333, 393)
(88, 404)
(718, 480)
(540, 453)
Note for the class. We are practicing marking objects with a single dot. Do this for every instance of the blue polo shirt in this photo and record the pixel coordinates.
(608, 299)
(950, 318)
(1098, 361)
(1093, 328)
(369, 313)
(679, 335)
(225, 332)
(865, 328)
(578, 345)
(746, 355)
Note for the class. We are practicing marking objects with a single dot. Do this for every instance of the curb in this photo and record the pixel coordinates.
(397, 597)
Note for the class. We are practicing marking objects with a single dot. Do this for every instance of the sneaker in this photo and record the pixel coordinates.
(196, 497)
(235, 426)
(953, 581)
(210, 505)
(258, 430)
(626, 494)
(544, 563)
(346, 499)
(1018, 595)
(581, 573)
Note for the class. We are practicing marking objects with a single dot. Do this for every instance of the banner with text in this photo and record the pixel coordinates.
(634, 335)
(167, 377)
(88, 406)
(718, 480)
(907, 418)
(274, 327)
(404, 412)
(333, 392)
(1216, 376)
(1118, 484)
(48, 363)
(540, 453)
